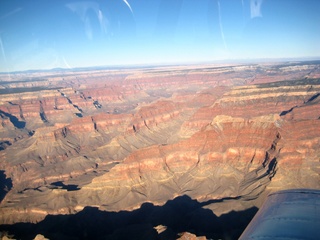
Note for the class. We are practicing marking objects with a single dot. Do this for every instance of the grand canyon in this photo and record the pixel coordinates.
(157, 152)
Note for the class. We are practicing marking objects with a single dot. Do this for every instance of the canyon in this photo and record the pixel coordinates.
(157, 152)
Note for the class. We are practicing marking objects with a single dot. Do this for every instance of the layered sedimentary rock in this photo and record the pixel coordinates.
(118, 141)
(213, 163)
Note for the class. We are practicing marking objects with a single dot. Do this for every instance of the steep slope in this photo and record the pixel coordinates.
(153, 136)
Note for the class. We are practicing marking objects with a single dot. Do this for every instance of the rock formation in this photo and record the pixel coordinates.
(225, 136)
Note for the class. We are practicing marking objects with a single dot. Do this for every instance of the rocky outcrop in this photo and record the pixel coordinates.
(190, 236)
(223, 160)
(70, 150)
(149, 136)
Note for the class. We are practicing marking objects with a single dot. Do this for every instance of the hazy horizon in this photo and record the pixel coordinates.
(214, 63)
(47, 35)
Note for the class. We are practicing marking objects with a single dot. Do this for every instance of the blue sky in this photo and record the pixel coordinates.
(45, 34)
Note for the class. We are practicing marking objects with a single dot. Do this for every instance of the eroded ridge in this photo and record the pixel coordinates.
(115, 140)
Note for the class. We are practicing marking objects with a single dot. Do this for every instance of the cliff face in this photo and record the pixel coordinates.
(229, 158)
(115, 141)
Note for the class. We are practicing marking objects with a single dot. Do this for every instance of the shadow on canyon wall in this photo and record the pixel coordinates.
(69, 187)
(4, 145)
(5, 185)
(181, 214)
(14, 120)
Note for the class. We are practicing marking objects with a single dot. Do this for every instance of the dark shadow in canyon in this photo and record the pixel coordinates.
(181, 214)
(283, 113)
(5, 185)
(314, 97)
(14, 120)
(4, 145)
(69, 187)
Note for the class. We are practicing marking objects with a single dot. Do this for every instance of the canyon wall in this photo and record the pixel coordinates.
(116, 140)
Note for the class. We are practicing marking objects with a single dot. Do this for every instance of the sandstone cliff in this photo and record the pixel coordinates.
(118, 140)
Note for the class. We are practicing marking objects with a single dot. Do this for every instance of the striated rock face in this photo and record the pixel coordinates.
(116, 141)
(229, 158)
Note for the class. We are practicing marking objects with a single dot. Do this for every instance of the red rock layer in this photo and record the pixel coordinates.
(151, 136)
